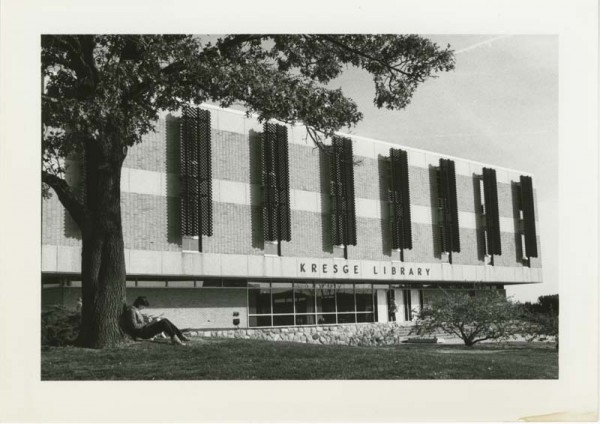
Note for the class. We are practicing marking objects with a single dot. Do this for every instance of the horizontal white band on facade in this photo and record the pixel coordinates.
(157, 263)
(155, 183)
(237, 122)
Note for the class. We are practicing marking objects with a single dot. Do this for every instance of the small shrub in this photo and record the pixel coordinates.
(539, 321)
(539, 327)
(487, 315)
(60, 326)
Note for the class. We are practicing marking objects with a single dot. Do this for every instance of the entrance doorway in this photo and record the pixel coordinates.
(382, 305)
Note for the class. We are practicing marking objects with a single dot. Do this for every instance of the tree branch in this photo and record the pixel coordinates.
(451, 330)
(79, 52)
(66, 197)
(236, 40)
(87, 50)
(50, 98)
(139, 89)
(312, 133)
(363, 54)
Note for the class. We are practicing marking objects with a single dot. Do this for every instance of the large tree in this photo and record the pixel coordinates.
(102, 93)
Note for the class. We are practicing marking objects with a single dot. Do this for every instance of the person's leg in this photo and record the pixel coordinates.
(171, 329)
(151, 330)
(164, 325)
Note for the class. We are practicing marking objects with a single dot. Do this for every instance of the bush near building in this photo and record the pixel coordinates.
(547, 305)
(60, 326)
(471, 316)
(540, 319)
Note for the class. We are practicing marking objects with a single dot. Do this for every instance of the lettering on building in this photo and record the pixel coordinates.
(393, 271)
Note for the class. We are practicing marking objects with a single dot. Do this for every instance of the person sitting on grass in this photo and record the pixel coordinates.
(133, 323)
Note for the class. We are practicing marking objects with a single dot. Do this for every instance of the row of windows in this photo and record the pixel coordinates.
(273, 304)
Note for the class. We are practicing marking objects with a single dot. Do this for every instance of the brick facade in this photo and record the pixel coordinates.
(151, 208)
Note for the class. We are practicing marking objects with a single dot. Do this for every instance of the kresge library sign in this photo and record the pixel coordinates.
(366, 270)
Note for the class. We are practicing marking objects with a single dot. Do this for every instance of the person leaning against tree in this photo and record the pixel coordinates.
(133, 323)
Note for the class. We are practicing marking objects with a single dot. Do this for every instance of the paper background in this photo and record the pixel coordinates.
(23, 397)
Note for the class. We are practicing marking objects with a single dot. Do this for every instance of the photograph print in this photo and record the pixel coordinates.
(299, 207)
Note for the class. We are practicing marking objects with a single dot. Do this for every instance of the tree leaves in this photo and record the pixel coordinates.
(488, 315)
(106, 91)
(119, 83)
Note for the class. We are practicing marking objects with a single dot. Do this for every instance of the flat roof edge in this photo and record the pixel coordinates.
(374, 140)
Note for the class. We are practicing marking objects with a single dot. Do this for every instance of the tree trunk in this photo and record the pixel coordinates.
(103, 253)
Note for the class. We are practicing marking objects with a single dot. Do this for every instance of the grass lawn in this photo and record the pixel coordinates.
(237, 359)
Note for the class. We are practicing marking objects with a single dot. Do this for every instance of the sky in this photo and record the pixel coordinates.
(498, 106)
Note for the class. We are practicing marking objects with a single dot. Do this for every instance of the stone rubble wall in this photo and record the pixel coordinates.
(368, 334)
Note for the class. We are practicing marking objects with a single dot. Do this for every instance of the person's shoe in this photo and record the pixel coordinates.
(184, 338)
(176, 341)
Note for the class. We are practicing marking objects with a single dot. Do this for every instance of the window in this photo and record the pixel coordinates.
(407, 306)
(279, 320)
(308, 303)
(364, 297)
(283, 298)
(305, 301)
(161, 284)
(305, 319)
(259, 321)
(325, 294)
(345, 298)
(364, 303)
(234, 283)
(259, 299)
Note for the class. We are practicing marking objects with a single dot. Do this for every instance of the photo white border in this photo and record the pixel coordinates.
(23, 397)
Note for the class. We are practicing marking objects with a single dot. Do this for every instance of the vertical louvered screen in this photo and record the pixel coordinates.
(400, 200)
(451, 238)
(528, 216)
(205, 172)
(269, 182)
(492, 217)
(195, 173)
(276, 185)
(189, 174)
(342, 192)
(348, 165)
(283, 184)
(337, 194)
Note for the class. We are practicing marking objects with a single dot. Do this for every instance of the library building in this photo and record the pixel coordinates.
(233, 224)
